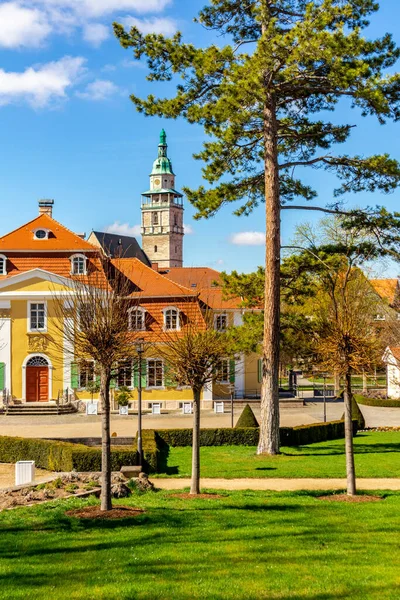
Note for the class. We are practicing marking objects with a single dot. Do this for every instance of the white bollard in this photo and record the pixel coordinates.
(24, 472)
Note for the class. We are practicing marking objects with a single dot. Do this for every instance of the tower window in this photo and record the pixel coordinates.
(175, 220)
(155, 248)
(155, 218)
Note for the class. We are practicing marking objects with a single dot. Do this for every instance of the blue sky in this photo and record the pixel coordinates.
(70, 132)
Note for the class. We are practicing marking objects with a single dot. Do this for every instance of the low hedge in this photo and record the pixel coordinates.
(61, 456)
(384, 402)
(248, 436)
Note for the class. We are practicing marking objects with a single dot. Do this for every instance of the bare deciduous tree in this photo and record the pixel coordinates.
(193, 358)
(94, 322)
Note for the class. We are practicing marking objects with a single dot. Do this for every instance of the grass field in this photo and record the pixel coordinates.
(377, 454)
(244, 546)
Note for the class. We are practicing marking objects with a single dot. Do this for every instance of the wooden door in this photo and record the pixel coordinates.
(37, 384)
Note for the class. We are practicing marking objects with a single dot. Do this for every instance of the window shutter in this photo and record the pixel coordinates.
(136, 375)
(144, 373)
(112, 383)
(74, 376)
(231, 371)
(169, 380)
(2, 376)
(259, 370)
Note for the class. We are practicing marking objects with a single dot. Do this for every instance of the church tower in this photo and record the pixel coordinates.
(162, 213)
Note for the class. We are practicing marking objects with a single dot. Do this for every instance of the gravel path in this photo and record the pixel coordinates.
(279, 485)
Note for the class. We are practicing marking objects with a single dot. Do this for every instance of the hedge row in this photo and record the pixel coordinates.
(61, 456)
(248, 436)
(377, 401)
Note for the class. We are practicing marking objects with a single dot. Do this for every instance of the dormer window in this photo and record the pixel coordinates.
(171, 319)
(3, 264)
(221, 322)
(78, 264)
(41, 234)
(137, 319)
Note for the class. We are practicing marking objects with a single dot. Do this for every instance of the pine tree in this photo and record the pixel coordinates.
(263, 98)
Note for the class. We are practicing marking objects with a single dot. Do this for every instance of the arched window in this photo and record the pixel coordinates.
(37, 361)
(137, 319)
(155, 248)
(155, 218)
(41, 234)
(3, 264)
(78, 264)
(171, 319)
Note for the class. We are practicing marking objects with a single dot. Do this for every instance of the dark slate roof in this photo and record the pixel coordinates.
(121, 246)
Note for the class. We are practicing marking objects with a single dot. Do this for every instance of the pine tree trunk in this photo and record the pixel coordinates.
(105, 497)
(269, 425)
(195, 483)
(348, 425)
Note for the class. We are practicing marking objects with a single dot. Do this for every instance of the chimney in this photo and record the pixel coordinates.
(154, 266)
(46, 207)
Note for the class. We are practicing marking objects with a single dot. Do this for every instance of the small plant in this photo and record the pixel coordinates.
(93, 387)
(90, 485)
(71, 488)
(41, 486)
(123, 396)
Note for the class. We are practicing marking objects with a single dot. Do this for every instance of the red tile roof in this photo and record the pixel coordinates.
(61, 239)
(204, 281)
(395, 350)
(150, 283)
(387, 289)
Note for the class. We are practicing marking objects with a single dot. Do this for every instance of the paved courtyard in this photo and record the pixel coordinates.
(80, 425)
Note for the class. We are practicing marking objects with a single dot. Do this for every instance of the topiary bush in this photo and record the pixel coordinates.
(62, 456)
(388, 402)
(356, 414)
(247, 418)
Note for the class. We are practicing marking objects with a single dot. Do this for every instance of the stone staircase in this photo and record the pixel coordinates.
(28, 409)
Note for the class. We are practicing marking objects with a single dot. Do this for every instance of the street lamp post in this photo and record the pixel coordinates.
(140, 350)
(324, 375)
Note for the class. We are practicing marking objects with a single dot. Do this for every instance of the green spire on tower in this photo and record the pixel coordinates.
(162, 165)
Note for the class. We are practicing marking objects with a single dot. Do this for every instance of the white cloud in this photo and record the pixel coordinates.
(95, 34)
(100, 89)
(41, 85)
(96, 8)
(188, 229)
(248, 238)
(163, 25)
(123, 229)
(22, 27)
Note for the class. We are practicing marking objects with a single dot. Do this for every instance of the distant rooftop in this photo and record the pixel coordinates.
(121, 246)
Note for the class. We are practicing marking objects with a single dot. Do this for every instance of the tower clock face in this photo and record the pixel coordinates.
(157, 181)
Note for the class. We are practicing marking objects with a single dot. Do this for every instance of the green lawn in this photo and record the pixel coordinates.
(245, 546)
(377, 454)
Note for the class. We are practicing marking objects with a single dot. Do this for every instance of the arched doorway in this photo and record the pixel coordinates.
(37, 379)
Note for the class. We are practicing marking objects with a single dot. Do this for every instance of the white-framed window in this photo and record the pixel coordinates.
(3, 264)
(223, 372)
(41, 234)
(220, 322)
(380, 317)
(171, 319)
(125, 374)
(37, 316)
(137, 319)
(78, 264)
(85, 373)
(155, 373)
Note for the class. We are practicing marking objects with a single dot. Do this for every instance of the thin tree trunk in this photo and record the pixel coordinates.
(336, 381)
(195, 483)
(348, 425)
(269, 425)
(105, 497)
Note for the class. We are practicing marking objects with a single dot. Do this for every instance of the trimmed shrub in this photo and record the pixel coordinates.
(311, 434)
(247, 418)
(356, 414)
(377, 401)
(61, 456)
